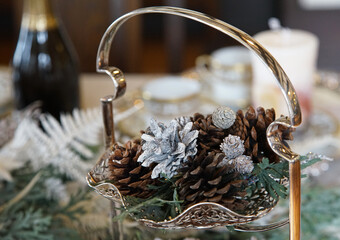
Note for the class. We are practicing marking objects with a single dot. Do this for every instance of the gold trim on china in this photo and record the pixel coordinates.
(240, 68)
(147, 96)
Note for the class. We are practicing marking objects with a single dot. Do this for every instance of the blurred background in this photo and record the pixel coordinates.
(161, 43)
(164, 58)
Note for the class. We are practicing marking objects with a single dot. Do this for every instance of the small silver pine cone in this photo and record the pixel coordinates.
(243, 164)
(223, 117)
(232, 146)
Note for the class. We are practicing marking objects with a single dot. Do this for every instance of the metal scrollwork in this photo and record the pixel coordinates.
(109, 191)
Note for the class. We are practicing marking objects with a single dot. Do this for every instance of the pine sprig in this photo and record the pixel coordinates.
(164, 204)
(268, 176)
(154, 208)
(307, 161)
(34, 215)
(27, 224)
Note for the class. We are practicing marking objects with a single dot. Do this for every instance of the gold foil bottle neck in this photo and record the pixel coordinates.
(38, 15)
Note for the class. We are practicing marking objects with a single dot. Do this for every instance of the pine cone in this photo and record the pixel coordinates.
(251, 127)
(239, 128)
(127, 174)
(203, 181)
(168, 146)
(210, 137)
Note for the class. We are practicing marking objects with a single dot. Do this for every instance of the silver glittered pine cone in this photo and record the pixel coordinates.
(168, 146)
(232, 146)
(150, 131)
(223, 117)
(242, 164)
(183, 120)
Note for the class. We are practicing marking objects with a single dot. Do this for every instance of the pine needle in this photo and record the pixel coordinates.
(22, 193)
(164, 204)
(154, 209)
(268, 176)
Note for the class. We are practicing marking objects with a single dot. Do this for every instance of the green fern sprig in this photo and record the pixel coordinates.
(269, 176)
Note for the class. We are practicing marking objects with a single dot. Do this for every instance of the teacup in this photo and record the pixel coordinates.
(171, 96)
(226, 76)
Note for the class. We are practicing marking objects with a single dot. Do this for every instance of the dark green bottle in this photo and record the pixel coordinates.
(44, 62)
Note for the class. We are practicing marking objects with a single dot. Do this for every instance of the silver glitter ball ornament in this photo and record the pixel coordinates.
(223, 117)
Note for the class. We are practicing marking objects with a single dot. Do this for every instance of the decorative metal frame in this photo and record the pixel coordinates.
(206, 215)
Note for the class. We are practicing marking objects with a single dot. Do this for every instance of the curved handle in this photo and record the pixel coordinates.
(246, 40)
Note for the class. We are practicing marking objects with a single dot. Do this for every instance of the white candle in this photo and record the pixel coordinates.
(296, 52)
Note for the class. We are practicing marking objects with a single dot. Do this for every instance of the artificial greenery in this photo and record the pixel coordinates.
(320, 215)
(43, 194)
(310, 159)
(26, 224)
(320, 220)
(31, 208)
(27, 213)
(268, 176)
(164, 204)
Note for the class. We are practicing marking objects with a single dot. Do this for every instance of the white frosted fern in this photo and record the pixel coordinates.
(66, 145)
(55, 189)
(12, 154)
(63, 145)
